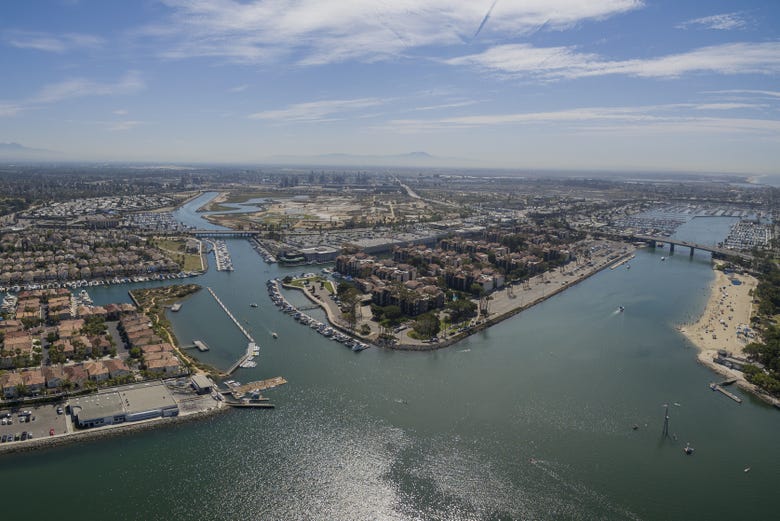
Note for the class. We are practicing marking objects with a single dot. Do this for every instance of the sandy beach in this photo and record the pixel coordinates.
(723, 325)
(728, 311)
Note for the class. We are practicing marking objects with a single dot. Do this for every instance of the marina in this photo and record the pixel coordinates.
(222, 256)
(324, 329)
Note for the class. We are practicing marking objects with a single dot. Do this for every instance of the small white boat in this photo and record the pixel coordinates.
(747, 469)
(273, 334)
(663, 258)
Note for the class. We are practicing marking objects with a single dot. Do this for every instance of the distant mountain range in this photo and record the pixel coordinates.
(17, 152)
(418, 158)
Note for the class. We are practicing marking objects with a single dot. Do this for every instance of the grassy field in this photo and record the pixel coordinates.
(246, 196)
(175, 248)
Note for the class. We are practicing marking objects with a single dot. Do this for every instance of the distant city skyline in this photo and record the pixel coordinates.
(535, 84)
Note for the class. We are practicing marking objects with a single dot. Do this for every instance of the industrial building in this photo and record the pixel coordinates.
(124, 404)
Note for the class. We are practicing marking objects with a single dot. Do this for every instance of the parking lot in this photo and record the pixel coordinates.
(39, 422)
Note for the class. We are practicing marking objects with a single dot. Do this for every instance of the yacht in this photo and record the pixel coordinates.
(253, 305)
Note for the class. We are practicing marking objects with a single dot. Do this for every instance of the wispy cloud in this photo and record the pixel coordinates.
(313, 32)
(72, 88)
(317, 110)
(80, 87)
(56, 43)
(10, 109)
(453, 105)
(238, 88)
(682, 117)
(552, 63)
(750, 92)
(120, 112)
(721, 22)
(124, 125)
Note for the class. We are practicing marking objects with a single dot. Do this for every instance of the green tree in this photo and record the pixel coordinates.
(427, 325)
(461, 310)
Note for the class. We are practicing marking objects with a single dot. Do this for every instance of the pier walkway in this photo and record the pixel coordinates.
(717, 387)
(229, 314)
(249, 348)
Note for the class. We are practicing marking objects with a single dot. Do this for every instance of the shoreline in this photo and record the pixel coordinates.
(107, 431)
(728, 308)
(556, 282)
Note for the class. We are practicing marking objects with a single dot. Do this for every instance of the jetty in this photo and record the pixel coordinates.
(717, 387)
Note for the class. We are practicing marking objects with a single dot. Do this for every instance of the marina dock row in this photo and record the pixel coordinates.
(222, 256)
(323, 329)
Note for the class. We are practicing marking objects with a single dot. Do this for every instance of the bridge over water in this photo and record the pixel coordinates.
(653, 241)
(223, 233)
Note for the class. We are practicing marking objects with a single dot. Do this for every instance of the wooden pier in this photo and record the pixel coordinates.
(717, 387)
(258, 386)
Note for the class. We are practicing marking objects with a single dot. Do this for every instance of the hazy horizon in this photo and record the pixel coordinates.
(630, 85)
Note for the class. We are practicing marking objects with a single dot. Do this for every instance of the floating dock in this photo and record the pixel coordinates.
(250, 349)
(256, 405)
(621, 262)
(202, 346)
(716, 387)
(230, 315)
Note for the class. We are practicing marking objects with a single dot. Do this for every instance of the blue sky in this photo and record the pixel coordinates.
(527, 84)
